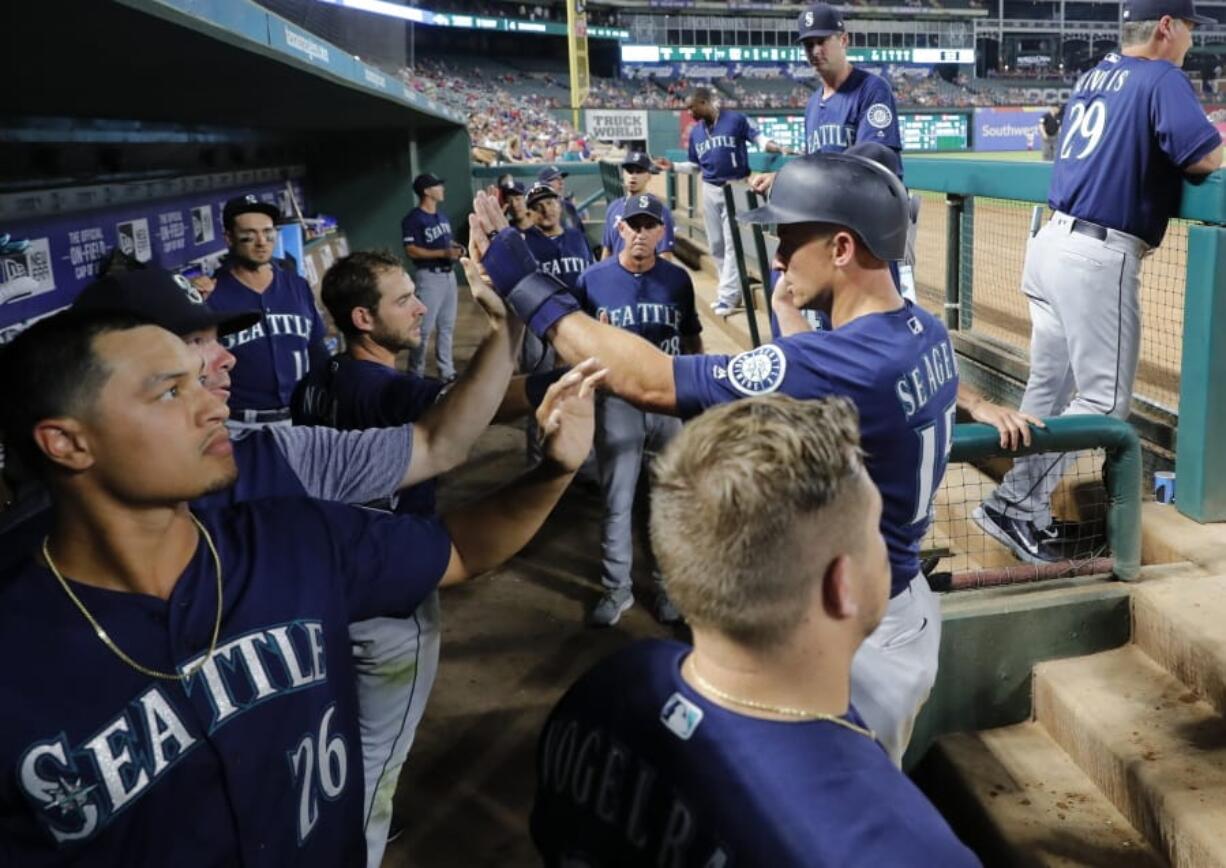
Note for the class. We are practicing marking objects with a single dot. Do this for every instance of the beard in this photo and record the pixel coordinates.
(396, 342)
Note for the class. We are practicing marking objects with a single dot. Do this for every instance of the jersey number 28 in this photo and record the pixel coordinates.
(1085, 124)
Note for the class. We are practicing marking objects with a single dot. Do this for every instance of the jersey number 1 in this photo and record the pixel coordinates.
(934, 456)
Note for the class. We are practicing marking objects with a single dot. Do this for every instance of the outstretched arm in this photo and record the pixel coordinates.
(486, 533)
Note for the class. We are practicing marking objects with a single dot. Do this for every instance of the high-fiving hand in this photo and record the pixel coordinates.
(567, 415)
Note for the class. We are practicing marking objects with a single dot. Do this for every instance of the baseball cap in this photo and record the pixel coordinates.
(247, 204)
(1152, 10)
(640, 160)
(425, 181)
(878, 153)
(550, 173)
(645, 203)
(165, 299)
(512, 188)
(819, 21)
(541, 191)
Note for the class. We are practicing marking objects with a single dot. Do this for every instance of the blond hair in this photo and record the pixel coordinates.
(734, 511)
(1137, 32)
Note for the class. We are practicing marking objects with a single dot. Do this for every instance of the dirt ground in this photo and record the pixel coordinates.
(513, 641)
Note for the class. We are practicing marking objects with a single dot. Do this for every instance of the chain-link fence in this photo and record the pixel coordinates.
(993, 249)
(969, 543)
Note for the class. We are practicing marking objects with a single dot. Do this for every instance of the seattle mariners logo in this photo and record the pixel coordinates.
(193, 294)
(642, 201)
(758, 372)
(879, 115)
(808, 19)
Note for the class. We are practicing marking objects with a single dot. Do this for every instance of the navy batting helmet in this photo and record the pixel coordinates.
(845, 190)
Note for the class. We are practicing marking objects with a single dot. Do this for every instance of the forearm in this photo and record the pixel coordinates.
(486, 533)
(637, 371)
(416, 252)
(447, 431)
(791, 320)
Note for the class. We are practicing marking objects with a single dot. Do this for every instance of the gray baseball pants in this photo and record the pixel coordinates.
(1085, 341)
(437, 290)
(623, 434)
(719, 241)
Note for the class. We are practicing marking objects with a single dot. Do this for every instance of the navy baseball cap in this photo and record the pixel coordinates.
(640, 160)
(425, 181)
(550, 173)
(644, 203)
(512, 188)
(164, 298)
(247, 204)
(819, 21)
(541, 191)
(1152, 10)
(878, 153)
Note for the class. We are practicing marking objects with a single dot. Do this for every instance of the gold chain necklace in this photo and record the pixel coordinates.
(106, 640)
(798, 713)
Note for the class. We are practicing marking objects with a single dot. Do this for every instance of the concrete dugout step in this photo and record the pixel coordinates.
(1148, 742)
(1179, 623)
(1019, 801)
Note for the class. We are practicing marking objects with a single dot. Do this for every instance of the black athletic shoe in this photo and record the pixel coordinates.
(1018, 535)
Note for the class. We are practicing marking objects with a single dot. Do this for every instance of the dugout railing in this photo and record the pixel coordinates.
(973, 223)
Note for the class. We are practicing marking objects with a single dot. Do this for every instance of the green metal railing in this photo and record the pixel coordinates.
(1121, 471)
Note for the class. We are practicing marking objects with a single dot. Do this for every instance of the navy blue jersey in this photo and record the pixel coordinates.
(657, 305)
(612, 219)
(1130, 127)
(899, 369)
(564, 256)
(276, 352)
(352, 394)
(861, 110)
(635, 768)
(256, 758)
(431, 231)
(722, 150)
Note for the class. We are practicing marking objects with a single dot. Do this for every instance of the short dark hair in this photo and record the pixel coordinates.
(51, 370)
(353, 281)
(701, 93)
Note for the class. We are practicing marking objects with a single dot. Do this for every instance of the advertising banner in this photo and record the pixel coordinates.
(1014, 128)
(616, 125)
(65, 251)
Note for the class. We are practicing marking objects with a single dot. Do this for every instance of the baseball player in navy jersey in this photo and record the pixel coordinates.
(561, 250)
(198, 706)
(372, 301)
(1133, 129)
(278, 349)
(555, 178)
(513, 199)
(640, 292)
(354, 467)
(853, 106)
(719, 148)
(428, 243)
(891, 357)
(637, 170)
(748, 748)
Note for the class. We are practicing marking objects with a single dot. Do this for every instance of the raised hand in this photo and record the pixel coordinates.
(483, 293)
(567, 415)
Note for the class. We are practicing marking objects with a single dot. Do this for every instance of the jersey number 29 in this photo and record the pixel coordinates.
(936, 439)
(1085, 124)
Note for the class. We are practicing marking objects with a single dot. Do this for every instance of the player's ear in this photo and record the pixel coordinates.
(363, 318)
(843, 248)
(64, 442)
(838, 594)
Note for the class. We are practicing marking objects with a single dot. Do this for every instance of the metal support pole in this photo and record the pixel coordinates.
(953, 260)
(739, 251)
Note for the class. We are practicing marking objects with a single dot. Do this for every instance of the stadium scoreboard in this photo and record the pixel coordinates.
(785, 54)
(919, 132)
